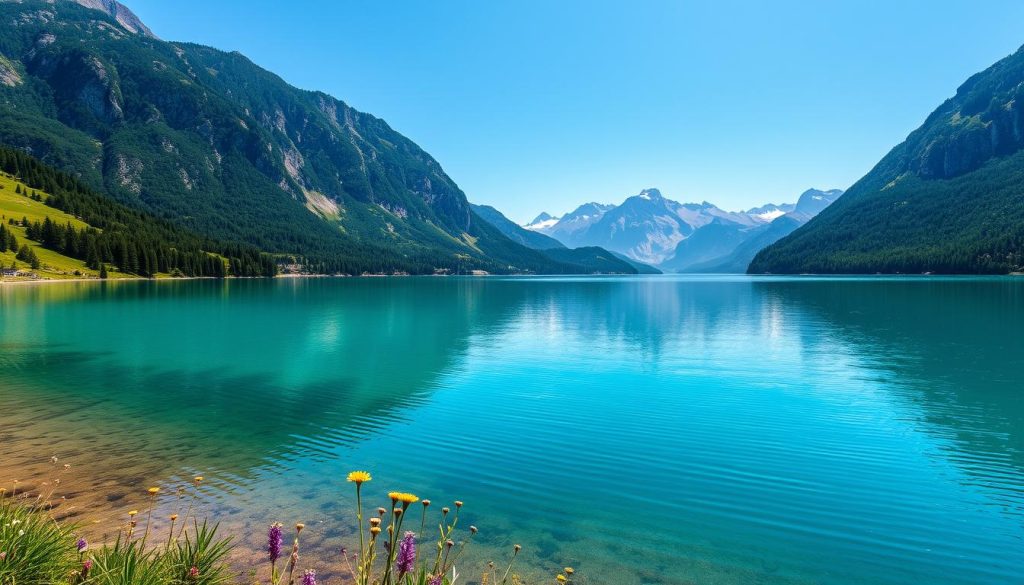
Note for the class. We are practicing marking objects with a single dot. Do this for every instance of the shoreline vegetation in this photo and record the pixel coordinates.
(25, 281)
(30, 281)
(404, 541)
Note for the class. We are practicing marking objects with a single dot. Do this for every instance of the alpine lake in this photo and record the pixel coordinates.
(643, 430)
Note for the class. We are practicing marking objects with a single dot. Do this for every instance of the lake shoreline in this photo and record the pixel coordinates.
(139, 278)
(5, 282)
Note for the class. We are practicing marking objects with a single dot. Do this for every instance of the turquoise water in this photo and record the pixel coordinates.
(643, 430)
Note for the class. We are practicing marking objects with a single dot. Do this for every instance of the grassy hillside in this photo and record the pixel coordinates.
(19, 206)
(55, 227)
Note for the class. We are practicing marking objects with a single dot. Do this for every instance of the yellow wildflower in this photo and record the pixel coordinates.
(358, 477)
(560, 578)
(133, 512)
(407, 498)
(569, 571)
(153, 491)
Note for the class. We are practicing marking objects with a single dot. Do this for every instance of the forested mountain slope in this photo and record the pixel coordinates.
(214, 143)
(950, 199)
(56, 227)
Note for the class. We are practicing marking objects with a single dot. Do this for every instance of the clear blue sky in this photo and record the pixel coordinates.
(541, 105)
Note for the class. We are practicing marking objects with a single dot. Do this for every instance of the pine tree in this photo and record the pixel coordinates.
(103, 270)
(28, 255)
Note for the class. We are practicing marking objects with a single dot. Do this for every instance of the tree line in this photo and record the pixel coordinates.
(132, 240)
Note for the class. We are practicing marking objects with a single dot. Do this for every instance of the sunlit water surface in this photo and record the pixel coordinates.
(643, 430)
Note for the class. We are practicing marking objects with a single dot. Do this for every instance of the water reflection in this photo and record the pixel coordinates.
(951, 347)
(648, 430)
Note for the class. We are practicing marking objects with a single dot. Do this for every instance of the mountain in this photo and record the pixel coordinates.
(591, 259)
(949, 199)
(710, 242)
(56, 227)
(729, 246)
(770, 211)
(569, 226)
(542, 221)
(650, 229)
(119, 12)
(812, 202)
(645, 227)
(212, 142)
(757, 239)
(513, 231)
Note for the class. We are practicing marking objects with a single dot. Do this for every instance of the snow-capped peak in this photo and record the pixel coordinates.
(650, 194)
(542, 224)
(770, 215)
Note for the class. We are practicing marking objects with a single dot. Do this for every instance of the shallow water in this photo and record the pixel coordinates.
(644, 430)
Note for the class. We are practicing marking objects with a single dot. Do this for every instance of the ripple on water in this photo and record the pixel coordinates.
(646, 431)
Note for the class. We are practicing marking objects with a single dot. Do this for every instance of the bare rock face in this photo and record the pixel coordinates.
(120, 13)
(8, 74)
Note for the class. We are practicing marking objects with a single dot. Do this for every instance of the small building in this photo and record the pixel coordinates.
(8, 272)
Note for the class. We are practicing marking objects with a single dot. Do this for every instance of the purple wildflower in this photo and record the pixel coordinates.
(274, 542)
(309, 577)
(82, 545)
(436, 580)
(406, 553)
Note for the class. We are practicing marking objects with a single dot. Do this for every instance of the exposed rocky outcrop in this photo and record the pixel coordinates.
(8, 74)
(120, 13)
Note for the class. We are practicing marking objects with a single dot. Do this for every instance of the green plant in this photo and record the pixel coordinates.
(199, 559)
(34, 549)
(126, 562)
(37, 549)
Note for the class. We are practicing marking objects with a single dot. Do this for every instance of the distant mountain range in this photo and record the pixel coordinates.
(681, 237)
(949, 199)
(593, 258)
